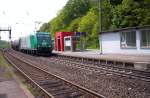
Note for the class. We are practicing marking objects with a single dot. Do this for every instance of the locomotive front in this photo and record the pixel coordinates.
(44, 43)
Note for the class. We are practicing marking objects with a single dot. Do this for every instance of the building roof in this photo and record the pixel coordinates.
(146, 27)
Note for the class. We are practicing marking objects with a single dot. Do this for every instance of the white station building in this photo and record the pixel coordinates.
(133, 40)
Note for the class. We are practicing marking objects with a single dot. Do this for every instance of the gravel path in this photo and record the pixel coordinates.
(107, 84)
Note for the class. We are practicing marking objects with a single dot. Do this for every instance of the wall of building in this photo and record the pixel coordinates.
(110, 43)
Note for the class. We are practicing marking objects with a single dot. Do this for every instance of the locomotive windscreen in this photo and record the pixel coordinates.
(44, 37)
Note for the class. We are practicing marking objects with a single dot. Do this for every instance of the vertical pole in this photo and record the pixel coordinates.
(0, 34)
(9, 29)
(100, 24)
(35, 26)
(138, 44)
(100, 15)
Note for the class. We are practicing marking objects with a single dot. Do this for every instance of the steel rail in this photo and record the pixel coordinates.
(112, 70)
(30, 79)
(81, 59)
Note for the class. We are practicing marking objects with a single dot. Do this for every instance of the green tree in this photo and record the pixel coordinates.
(72, 10)
(131, 13)
(106, 15)
(73, 26)
(45, 27)
(89, 24)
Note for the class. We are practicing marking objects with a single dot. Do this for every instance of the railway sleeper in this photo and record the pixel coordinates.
(63, 90)
(38, 79)
(73, 95)
(53, 89)
(64, 93)
(59, 88)
(76, 95)
(52, 85)
(47, 82)
(35, 75)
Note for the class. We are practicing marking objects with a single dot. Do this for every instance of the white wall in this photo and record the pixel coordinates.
(111, 44)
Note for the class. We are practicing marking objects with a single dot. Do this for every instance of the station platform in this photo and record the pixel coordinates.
(10, 87)
(118, 57)
(95, 54)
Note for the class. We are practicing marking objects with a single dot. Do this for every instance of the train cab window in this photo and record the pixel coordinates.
(43, 37)
(145, 39)
(128, 39)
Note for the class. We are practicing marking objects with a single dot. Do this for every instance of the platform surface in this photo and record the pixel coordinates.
(115, 57)
(10, 89)
(11, 86)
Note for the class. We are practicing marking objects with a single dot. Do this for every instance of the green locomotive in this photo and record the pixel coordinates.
(36, 43)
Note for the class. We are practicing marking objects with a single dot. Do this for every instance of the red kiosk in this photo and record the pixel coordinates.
(59, 40)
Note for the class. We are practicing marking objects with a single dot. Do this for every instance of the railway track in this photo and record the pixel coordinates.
(47, 84)
(96, 66)
(127, 72)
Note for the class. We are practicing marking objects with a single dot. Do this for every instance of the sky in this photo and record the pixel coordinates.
(25, 15)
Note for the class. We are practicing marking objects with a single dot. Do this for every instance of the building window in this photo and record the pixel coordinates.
(145, 39)
(128, 39)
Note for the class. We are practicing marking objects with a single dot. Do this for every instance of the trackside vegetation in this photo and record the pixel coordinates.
(4, 44)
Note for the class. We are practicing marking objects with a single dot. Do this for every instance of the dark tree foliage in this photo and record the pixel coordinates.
(115, 2)
(131, 13)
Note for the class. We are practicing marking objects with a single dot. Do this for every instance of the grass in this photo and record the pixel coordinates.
(4, 44)
(26, 84)
(5, 64)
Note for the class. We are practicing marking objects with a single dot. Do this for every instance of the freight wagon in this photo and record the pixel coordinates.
(15, 44)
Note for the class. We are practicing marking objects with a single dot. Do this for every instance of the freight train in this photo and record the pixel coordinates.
(37, 43)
